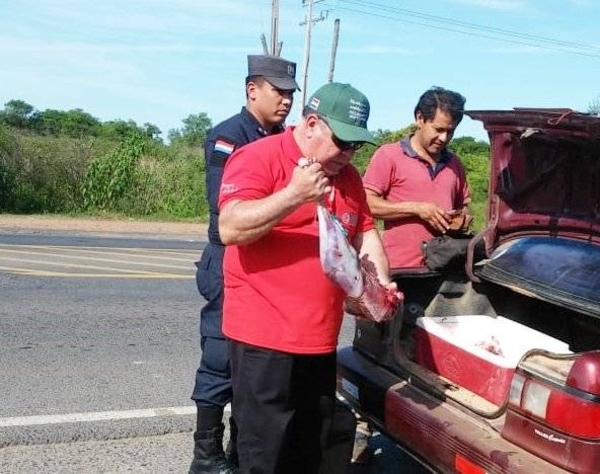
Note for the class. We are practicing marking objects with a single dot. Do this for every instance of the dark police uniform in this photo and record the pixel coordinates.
(213, 377)
(212, 390)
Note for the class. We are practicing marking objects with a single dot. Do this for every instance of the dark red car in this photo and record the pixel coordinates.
(495, 367)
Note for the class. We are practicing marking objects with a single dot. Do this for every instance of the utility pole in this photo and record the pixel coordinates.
(275, 49)
(336, 36)
(308, 22)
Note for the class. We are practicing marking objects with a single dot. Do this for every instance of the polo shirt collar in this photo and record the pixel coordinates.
(433, 170)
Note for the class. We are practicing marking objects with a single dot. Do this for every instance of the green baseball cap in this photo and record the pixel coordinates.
(345, 109)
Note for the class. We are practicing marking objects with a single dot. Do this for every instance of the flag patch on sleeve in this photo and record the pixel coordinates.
(224, 146)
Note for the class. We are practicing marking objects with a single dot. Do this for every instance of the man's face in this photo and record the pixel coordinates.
(269, 105)
(332, 153)
(434, 135)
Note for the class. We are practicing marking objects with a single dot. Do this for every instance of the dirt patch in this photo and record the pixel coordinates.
(37, 223)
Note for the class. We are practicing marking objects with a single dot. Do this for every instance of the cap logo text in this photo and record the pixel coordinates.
(357, 110)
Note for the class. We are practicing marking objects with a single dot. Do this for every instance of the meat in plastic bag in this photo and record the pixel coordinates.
(338, 257)
(376, 303)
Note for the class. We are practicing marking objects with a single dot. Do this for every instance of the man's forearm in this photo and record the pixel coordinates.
(243, 222)
(388, 210)
(370, 243)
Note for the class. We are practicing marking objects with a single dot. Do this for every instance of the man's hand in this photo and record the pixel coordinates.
(308, 183)
(437, 218)
(460, 221)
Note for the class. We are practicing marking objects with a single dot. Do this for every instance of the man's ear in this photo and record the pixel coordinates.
(419, 120)
(312, 120)
(251, 90)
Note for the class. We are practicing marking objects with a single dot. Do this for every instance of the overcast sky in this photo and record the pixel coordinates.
(158, 61)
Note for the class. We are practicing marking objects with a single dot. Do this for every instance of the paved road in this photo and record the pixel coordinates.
(99, 344)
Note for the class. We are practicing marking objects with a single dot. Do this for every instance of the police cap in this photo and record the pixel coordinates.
(278, 71)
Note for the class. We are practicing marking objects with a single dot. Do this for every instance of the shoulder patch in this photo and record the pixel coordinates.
(224, 146)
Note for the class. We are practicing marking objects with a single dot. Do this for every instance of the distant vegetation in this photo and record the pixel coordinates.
(69, 162)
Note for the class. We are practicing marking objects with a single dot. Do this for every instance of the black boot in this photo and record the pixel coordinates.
(231, 453)
(209, 457)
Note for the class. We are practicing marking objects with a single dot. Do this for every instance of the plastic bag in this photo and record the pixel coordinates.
(366, 297)
(338, 257)
(377, 303)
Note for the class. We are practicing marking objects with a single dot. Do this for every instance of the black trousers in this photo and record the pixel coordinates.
(213, 377)
(279, 403)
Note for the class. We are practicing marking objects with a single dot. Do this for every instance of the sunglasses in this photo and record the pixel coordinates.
(341, 144)
(346, 146)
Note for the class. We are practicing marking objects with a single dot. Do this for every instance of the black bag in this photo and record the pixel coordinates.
(445, 252)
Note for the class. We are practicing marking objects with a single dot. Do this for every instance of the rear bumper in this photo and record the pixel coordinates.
(427, 427)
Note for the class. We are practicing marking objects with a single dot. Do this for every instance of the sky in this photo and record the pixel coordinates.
(158, 61)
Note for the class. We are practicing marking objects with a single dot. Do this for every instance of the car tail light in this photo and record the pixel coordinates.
(464, 466)
(554, 410)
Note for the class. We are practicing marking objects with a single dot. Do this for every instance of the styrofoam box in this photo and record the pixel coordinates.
(478, 352)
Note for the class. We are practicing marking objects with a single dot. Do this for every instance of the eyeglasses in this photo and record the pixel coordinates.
(341, 144)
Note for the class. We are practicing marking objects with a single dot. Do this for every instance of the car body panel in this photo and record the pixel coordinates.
(541, 269)
(436, 432)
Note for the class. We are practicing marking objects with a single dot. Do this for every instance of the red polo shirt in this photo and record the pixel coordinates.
(396, 173)
(276, 294)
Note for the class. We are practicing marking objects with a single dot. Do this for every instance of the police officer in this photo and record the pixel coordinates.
(270, 86)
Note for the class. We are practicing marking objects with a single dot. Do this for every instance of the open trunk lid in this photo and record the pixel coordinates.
(543, 229)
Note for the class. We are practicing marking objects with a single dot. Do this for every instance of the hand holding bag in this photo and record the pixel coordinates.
(366, 297)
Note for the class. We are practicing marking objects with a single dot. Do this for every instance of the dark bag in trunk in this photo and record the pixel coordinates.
(445, 252)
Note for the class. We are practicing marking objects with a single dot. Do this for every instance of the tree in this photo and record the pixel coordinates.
(120, 130)
(77, 123)
(174, 135)
(195, 129)
(594, 107)
(17, 113)
(48, 122)
(463, 146)
(152, 131)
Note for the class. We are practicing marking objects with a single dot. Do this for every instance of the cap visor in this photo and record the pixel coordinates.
(350, 133)
(283, 83)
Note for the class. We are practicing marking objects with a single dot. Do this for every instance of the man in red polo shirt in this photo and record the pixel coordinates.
(417, 186)
(281, 313)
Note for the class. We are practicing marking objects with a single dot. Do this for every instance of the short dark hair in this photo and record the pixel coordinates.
(447, 101)
(259, 80)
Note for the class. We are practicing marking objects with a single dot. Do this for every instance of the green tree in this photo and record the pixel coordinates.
(152, 131)
(77, 124)
(119, 130)
(17, 113)
(194, 131)
(469, 146)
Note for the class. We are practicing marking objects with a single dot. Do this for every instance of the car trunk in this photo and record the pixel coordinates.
(541, 272)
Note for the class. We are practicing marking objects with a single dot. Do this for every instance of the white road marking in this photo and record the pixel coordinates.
(97, 416)
(94, 259)
(147, 276)
(129, 263)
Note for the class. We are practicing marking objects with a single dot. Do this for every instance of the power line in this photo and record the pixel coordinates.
(466, 28)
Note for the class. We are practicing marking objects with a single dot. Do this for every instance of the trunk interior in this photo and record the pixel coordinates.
(395, 344)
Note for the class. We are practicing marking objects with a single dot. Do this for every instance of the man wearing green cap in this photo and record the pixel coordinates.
(281, 313)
